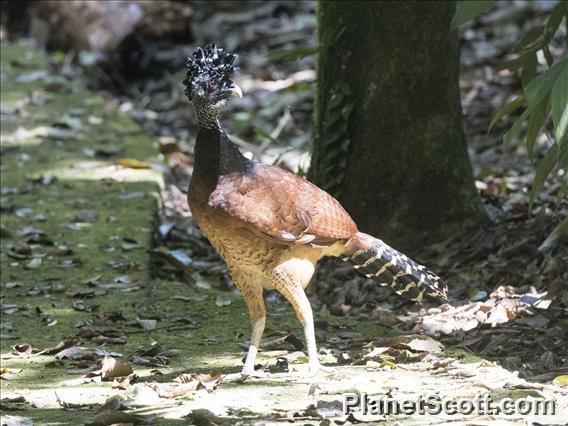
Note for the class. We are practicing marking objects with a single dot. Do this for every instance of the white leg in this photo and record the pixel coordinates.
(310, 336)
(252, 295)
(257, 330)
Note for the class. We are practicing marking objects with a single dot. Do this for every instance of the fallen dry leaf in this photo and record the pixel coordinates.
(81, 306)
(144, 395)
(413, 342)
(147, 324)
(11, 404)
(115, 402)
(24, 350)
(561, 381)
(199, 298)
(499, 315)
(115, 417)
(133, 164)
(17, 421)
(114, 368)
(310, 413)
(151, 350)
(80, 292)
(86, 216)
(110, 368)
(203, 417)
(63, 344)
(124, 382)
(194, 382)
(74, 352)
(102, 335)
(72, 406)
(9, 373)
(424, 344)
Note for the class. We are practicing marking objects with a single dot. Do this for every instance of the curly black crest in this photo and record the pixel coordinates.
(212, 61)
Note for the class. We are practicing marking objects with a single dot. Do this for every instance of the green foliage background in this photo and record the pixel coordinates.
(545, 94)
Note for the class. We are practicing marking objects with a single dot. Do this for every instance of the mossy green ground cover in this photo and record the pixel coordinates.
(73, 222)
(77, 234)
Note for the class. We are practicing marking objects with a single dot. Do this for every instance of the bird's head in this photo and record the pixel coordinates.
(208, 83)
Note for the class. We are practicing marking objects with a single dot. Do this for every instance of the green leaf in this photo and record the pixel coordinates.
(469, 9)
(538, 88)
(292, 54)
(536, 122)
(332, 118)
(535, 91)
(347, 110)
(563, 191)
(335, 100)
(560, 133)
(346, 90)
(559, 101)
(528, 39)
(518, 62)
(543, 170)
(528, 73)
(556, 16)
(562, 57)
(508, 136)
(563, 156)
(507, 109)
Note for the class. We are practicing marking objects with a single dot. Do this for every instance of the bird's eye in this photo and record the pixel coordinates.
(210, 85)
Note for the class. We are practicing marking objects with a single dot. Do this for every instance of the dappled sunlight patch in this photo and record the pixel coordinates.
(97, 170)
(23, 137)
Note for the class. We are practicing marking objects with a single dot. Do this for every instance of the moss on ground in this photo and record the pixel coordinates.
(74, 221)
(461, 354)
(71, 216)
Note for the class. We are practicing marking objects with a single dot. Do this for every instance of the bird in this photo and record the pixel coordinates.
(270, 225)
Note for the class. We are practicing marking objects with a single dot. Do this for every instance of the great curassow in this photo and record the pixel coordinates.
(272, 226)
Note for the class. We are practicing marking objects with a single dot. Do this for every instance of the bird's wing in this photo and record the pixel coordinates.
(282, 206)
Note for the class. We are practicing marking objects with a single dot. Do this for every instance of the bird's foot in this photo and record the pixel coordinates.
(247, 374)
(326, 371)
(242, 376)
(322, 373)
(316, 369)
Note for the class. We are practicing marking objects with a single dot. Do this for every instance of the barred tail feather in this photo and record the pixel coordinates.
(377, 260)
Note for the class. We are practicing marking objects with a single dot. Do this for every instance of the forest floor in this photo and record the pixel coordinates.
(115, 309)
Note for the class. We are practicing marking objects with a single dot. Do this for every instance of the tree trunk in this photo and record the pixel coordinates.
(389, 141)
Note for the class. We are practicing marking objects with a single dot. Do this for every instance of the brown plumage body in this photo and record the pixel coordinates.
(270, 226)
(240, 207)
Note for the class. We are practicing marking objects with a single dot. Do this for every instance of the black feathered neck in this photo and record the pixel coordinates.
(215, 154)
